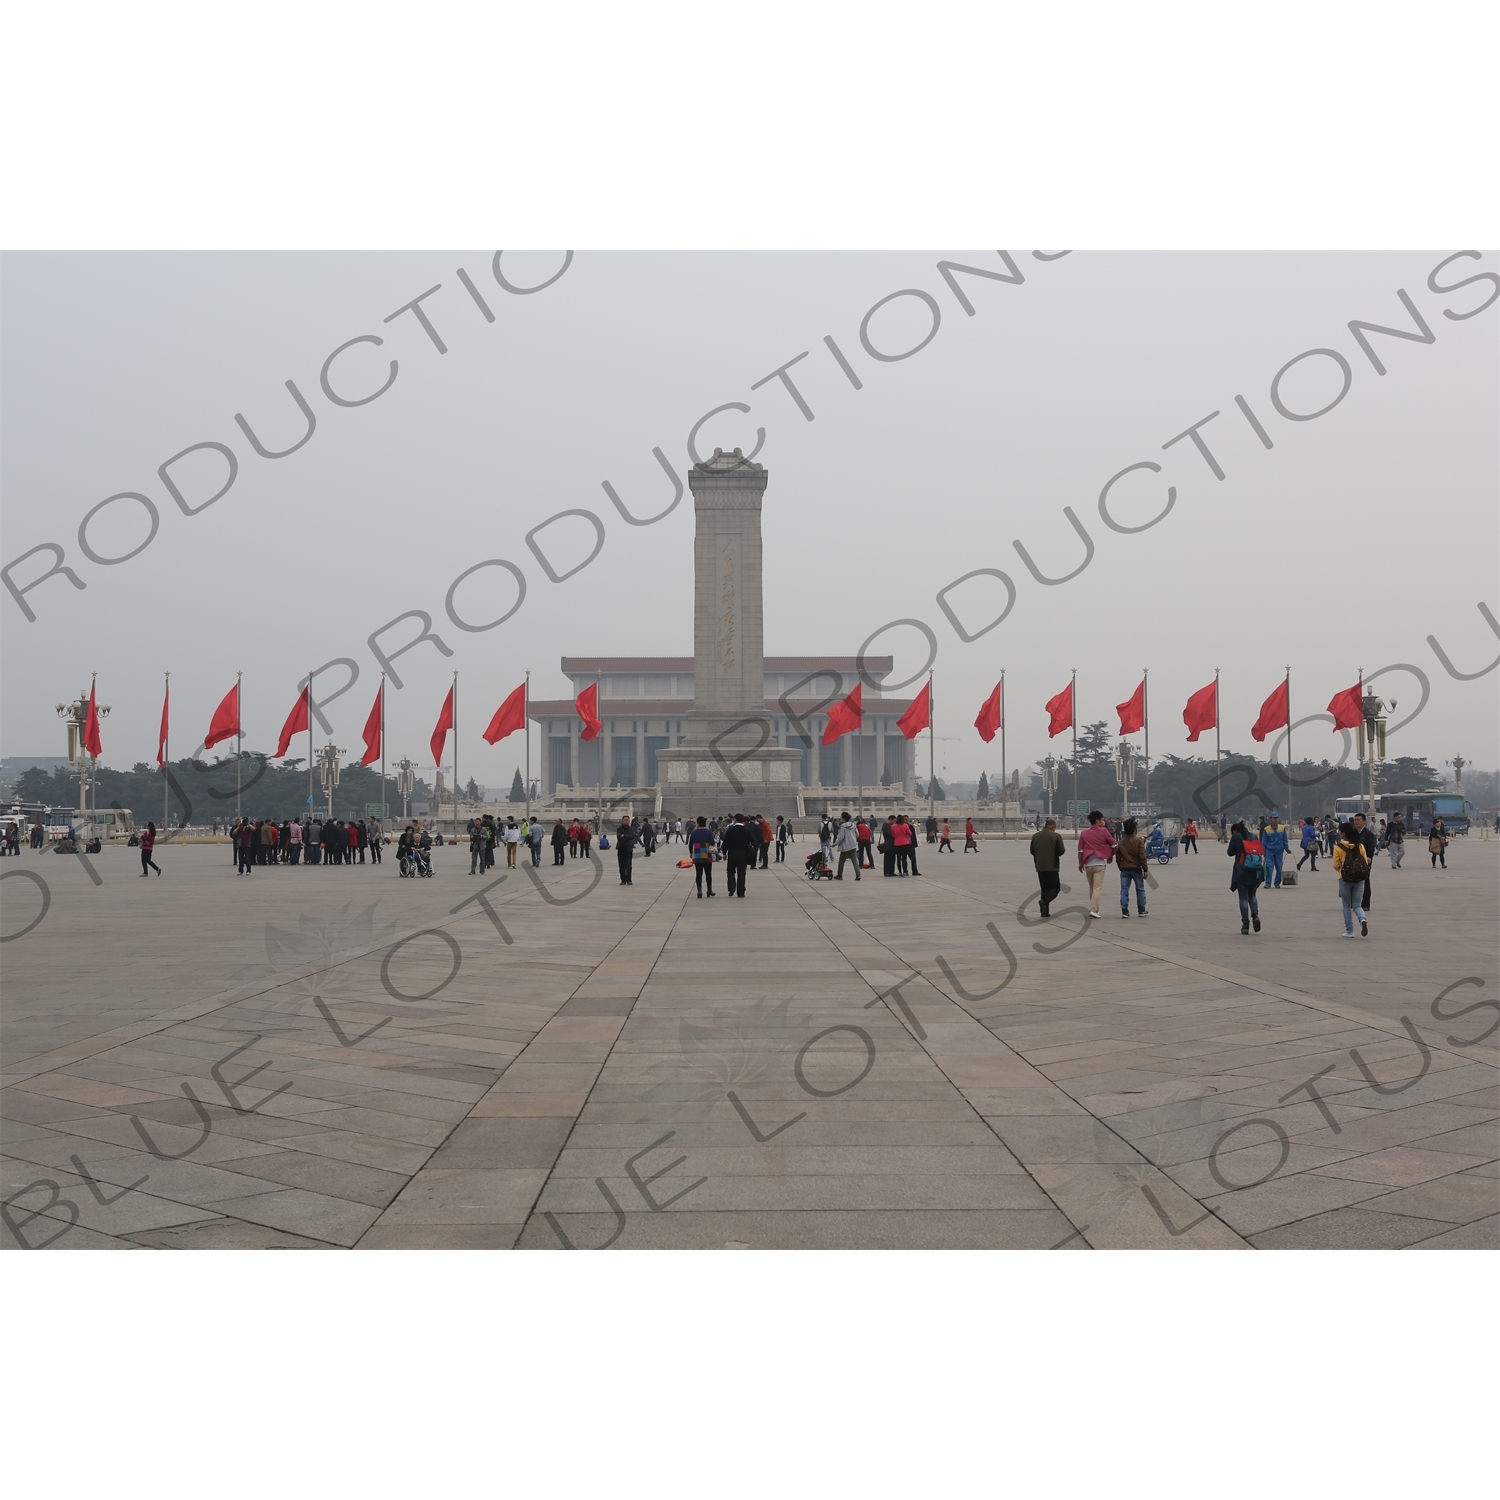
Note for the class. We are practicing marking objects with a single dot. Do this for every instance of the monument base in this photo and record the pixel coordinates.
(698, 781)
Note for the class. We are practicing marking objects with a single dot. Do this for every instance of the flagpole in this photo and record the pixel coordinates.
(1146, 726)
(1289, 746)
(931, 752)
(239, 735)
(382, 747)
(1004, 784)
(455, 756)
(166, 754)
(599, 788)
(1073, 703)
(310, 743)
(1218, 773)
(526, 721)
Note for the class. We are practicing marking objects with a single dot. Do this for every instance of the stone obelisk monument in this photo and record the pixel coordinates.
(729, 762)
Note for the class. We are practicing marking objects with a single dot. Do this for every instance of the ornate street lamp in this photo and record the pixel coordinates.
(1049, 780)
(76, 716)
(328, 771)
(405, 781)
(1125, 774)
(1371, 741)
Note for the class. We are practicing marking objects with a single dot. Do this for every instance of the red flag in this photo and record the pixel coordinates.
(1347, 708)
(918, 716)
(587, 704)
(226, 720)
(991, 715)
(846, 716)
(91, 740)
(296, 722)
(1133, 711)
(440, 731)
(509, 717)
(372, 729)
(161, 738)
(1061, 710)
(1202, 711)
(1274, 713)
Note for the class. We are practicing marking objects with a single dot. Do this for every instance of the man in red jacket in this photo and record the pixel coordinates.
(1096, 848)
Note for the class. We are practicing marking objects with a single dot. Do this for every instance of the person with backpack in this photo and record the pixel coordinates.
(700, 842)
(1249, 856)
(1352, 866)
(1366, 837)
(1130, 860)
(1096, 848)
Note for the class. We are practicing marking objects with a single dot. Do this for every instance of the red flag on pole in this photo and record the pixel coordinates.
(918, 716)
(587, 704)
(296, 722)
(371, 734)
(440, 731)
(509, 717)
(847, 716)
(991, 715)
(1202, 711)
(1274, 713)
(161, 738)
(226, 720)
(1133, 711)
(1061, 710)
(91, 740)
(1347, 708)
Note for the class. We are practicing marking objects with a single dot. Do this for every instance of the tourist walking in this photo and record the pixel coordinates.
(538, 838)
(945, 839)
(1047, 850)
(625, 841)
(148, 843)
(735, 841)
(1352, 867)
(1190, 837)
(1130, 860)
(1309, 844)
(1096, 848)
(971, 840)
(476, 846)
(866, 836)
(512, 836)
(559, 842)
(1249, 856)
(700, 844)
(1437, 843)
(932, 828)
(780, 839)
(1395, 841)
(1366, 837)
(846, 841)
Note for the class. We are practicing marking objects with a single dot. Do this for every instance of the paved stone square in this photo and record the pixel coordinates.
(318, 1058)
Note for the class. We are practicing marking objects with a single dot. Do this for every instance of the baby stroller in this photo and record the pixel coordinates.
(817, 866)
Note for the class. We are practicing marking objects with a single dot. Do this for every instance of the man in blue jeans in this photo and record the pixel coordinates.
(1275, 840)
(1130, 859)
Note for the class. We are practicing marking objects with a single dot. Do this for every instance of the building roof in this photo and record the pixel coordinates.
(678, 708)
(873, 664)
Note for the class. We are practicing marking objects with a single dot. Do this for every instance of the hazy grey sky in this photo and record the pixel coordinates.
(1347, 544)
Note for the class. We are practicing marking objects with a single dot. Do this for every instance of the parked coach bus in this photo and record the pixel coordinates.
(1417, 809)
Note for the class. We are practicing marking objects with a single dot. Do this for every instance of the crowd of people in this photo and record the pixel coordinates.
(264, 841)
(1258, 853)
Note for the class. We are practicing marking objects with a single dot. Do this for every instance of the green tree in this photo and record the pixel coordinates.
(1408, 773)
(1093, 745)
(471, 791)
(518, 787)
(938, 794)
(983, 792)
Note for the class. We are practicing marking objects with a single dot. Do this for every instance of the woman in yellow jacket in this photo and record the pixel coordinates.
(1352, 867)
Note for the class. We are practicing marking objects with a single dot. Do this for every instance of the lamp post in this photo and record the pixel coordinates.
(1049, 780)
(1125, 774)
(328, 772)
(76, 716)
(1371, 738)
(405, 780)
